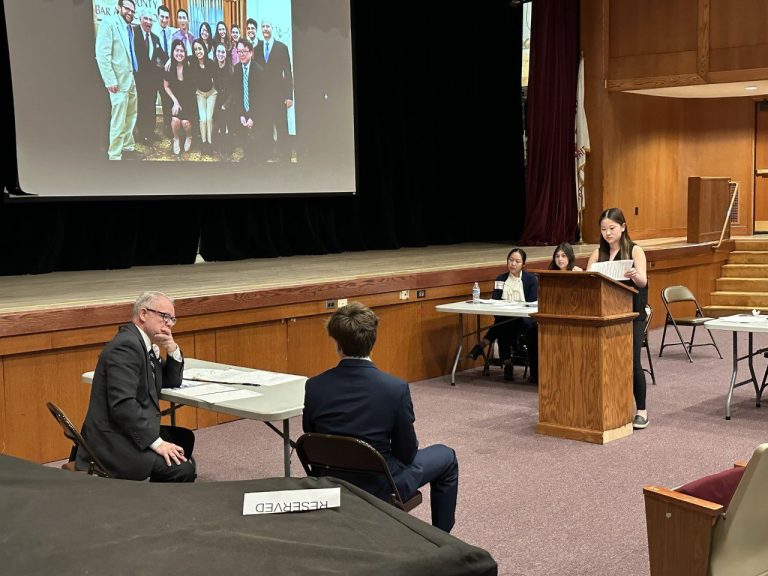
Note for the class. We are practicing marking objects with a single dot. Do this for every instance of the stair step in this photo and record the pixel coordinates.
(742, 284)
(748, 257)
(750, 299)
(752, 244)
(719, 311)
(745, 270)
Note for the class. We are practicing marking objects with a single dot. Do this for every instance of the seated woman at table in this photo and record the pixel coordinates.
(564, 259)
(515, 285)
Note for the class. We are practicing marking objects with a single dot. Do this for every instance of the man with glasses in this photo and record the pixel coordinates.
(122, 425)
(116, 58)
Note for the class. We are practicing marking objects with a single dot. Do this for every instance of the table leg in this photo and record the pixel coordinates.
(287, 447)
(734, 372)
(458, 349)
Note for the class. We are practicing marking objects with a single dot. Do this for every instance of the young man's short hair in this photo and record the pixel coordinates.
(354, 329)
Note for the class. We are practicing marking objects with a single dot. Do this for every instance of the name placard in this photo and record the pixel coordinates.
(282, 501)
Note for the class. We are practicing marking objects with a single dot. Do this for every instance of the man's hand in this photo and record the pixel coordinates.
(112, 89)
(170, 452)
(164, 338)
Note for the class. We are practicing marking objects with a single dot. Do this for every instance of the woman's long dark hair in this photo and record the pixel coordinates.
(625, 253)
(568, 251)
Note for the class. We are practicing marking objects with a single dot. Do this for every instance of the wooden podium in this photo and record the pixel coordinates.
(585, 361)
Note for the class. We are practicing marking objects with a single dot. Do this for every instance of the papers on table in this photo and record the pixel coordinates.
(614, 269)
(745, 319)
(233, 376)
(216, 393)
(506, 303)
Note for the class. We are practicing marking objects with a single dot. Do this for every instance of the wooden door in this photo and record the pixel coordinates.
(761, 168)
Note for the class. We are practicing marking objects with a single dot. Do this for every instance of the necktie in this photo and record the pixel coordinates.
(130, 44)
(149, 47)
(153, 364)
(266, 51)
(165, 41)
(246, 105)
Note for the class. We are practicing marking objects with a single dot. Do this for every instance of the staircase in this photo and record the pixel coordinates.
(743, 285)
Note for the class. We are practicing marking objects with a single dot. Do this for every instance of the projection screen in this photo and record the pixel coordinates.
(104, 105)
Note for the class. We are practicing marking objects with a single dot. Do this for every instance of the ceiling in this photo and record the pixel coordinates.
(724, 90)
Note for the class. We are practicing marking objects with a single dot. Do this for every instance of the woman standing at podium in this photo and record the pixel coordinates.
(615, 244)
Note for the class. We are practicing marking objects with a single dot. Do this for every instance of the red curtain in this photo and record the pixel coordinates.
(550, 212)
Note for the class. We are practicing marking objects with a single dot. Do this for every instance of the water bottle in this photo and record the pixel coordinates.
(475, 293)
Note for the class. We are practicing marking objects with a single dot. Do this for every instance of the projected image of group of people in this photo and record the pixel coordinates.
(195, 91)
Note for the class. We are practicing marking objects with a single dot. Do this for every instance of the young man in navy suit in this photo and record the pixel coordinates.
(357, 399)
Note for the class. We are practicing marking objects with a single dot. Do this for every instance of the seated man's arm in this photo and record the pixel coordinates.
(306, 420)
(404, 442)
(124, 366)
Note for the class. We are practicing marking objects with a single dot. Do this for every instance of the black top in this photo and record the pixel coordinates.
(640, 299)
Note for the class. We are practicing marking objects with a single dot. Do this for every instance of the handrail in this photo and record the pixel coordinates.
(727, 216)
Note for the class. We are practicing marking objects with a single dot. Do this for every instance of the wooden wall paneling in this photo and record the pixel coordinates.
(719, 140)
(31, 380)
(440, 338)
(640, 157)
(261, 345)
(738, 34)
(205, 349)
(652, 38)
(310, 349)
(3, 442)
(398, 345)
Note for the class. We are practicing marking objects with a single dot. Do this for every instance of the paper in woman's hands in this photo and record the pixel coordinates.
(614, 269)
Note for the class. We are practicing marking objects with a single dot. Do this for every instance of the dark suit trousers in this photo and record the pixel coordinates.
(440, 469)
(184, 472)
(146, 89)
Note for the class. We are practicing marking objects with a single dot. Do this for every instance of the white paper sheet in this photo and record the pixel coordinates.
(233, 376)
(745, 319)
(614, 269)
(197, 390)
(235, 394)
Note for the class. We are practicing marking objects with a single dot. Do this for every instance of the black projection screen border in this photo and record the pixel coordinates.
(325, 106)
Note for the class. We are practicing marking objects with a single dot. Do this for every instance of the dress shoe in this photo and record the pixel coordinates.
(476, 351)
(509, 372)
(133, 155)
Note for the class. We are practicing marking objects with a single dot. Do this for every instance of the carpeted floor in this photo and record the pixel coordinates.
(540, 505)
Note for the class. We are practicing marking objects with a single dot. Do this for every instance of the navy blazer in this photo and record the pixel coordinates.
(530, 291)
(357, 399)
(123, 416)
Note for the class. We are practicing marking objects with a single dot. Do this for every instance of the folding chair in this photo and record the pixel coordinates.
(95, 467)
(649, 370)
(519, 355)
(677, 294)
(323, 454)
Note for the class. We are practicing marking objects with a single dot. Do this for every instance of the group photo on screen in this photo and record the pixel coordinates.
(188, 80)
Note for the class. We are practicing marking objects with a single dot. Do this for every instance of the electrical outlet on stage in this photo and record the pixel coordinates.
(341, 302)
(330, 304)
(404, 295)
(421, 293)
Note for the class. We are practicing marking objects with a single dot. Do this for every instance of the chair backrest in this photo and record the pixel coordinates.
(95, 467)
(648, 316)
(739, 541)
(672, 294)
(330, 453)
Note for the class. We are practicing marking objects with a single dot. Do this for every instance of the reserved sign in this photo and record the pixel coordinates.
(283, 501)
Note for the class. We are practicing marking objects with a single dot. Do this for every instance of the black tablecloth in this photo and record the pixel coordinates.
(58, 522)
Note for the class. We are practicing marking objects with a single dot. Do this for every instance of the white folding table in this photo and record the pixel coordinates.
(751, 325)
(482, 308)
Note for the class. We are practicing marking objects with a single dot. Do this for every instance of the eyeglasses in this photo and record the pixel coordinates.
(167, 318)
